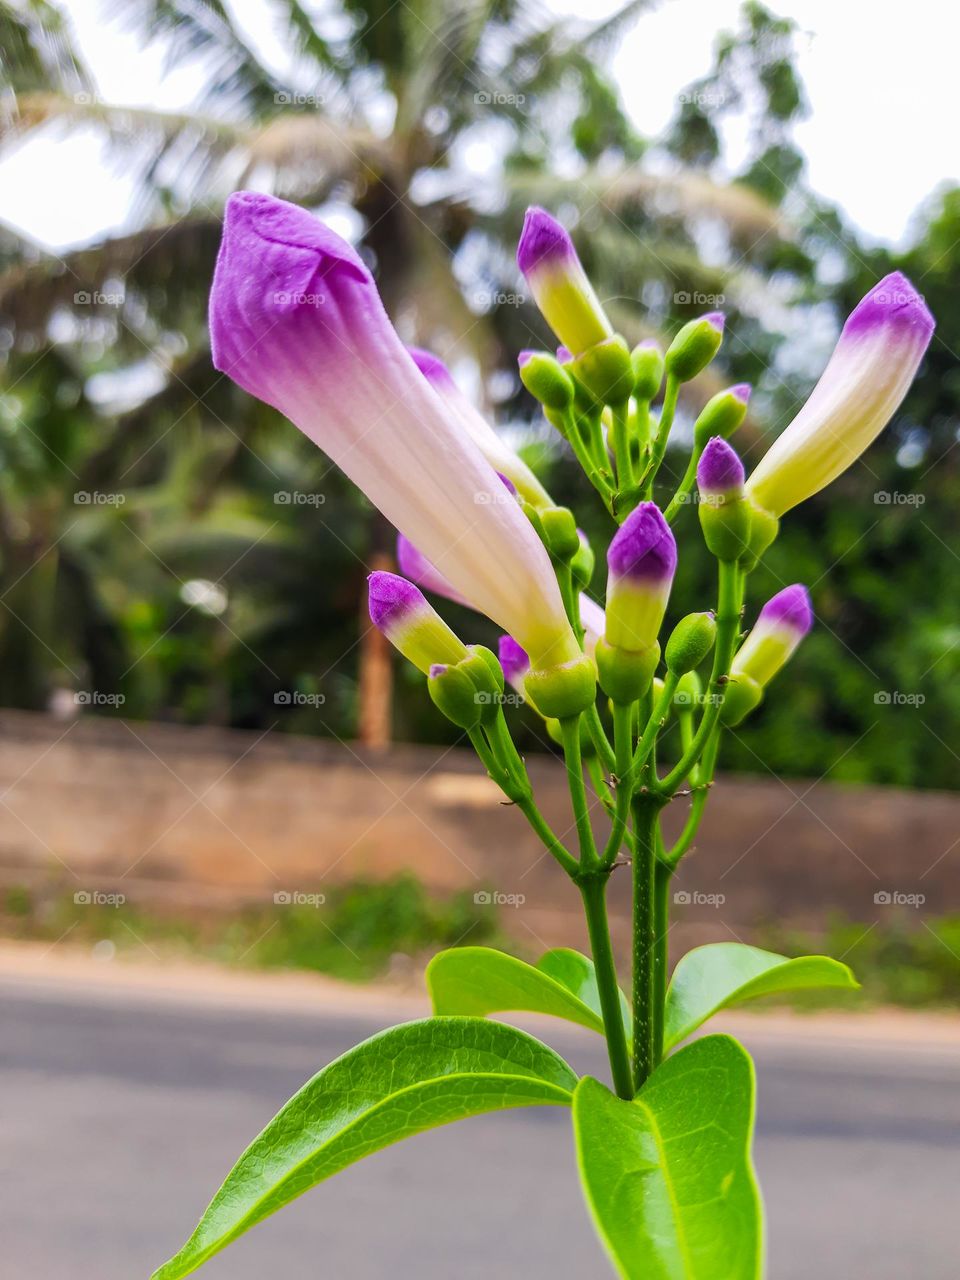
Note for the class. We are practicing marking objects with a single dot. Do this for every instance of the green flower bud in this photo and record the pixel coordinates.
(648, 365)
(546, 380)
(726, 527)
(691, 641)
(455, 694)
(564, 690)
(764, 528)
(484, 669)
(689, 692)
(606, 370)
(626, 674)
(721, 415)
(741, 696)
(582, 564)
(694, 346)
(560, 532)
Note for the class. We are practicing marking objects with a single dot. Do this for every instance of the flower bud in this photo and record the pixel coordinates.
(648, 368)
(722, 414)
(724, 514)
(560, 532)
(871, 368)
(694, 346)
(606, 370)
(625, 674)
(413, 626)
(583, 562)
(564, 690)
(641, 562)
(546, 380)
(689, 692)
(559, 284)
(455, 695)
(691, 641)
(783, 622)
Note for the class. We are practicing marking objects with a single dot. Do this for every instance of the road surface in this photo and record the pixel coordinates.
(121, 1113)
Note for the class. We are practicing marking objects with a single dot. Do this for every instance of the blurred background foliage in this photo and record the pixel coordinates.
(168, 540)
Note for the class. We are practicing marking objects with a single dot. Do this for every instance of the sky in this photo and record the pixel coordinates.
(880, 91)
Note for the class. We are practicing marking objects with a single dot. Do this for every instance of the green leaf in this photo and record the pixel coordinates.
(407, 1079)
(713, 977)
(668, 1177)
(479, 980)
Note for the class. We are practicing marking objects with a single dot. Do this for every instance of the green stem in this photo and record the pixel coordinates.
(621, 447)
(684, 488)
(661, 892)
(697, 805)
(601, 744)
(654, 724)
(646, 811)
(730, 591)
(593, 892)
(623, 740)
(570, 737)
(671, 393)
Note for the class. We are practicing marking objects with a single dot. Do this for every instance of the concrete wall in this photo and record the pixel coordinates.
(204, 818)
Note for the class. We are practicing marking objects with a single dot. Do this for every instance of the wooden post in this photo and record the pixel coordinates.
(374, 728)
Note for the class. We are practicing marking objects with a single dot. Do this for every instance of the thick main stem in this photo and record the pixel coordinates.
(662, 877)
(593, 891)
(646, 811)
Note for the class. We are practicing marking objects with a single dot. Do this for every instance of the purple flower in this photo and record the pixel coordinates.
(514, 660)
(641, 562)
(295, 319)
(783, 622)
(399, 610)
(872, 366)
(720, 472)
(563, 293)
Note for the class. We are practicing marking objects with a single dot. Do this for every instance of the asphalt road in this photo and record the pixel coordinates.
(120, 1117)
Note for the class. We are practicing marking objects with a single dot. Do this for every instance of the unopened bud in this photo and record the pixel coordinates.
(546, 380)
(691, 641)
(648, 365)
(722, 414)
(694, 346)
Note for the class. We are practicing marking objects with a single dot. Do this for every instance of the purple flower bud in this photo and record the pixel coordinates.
(563, 293)
(400, 611)
(789, 608)
(720, 472)
(782, 624)
(643, 548)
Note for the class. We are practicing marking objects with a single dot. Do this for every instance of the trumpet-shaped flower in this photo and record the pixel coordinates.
(413, 626)
(559, 284)
(641, 562)
(872, 366)
(783, 622)
(296, 320)
(499, 454)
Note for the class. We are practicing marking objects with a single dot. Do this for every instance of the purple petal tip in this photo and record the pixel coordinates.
(716, 318)
(742, 391)
(790, 607)
(542, 241)
(513, 658)
(431, 366)
(392, 599)
(644, 547)
(719, 470)
(894, 303)
(437, 669)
